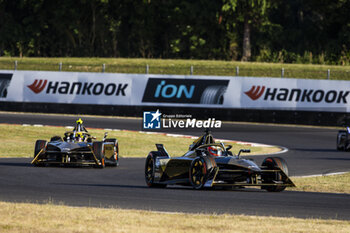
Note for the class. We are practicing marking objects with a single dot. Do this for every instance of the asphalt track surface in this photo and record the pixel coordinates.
(311, 151)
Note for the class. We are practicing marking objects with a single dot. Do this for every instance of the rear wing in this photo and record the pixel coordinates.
(162, 150)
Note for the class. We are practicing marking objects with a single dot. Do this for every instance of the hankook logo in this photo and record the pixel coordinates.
(37, 86)
(255, 92)
(78, 88)
(190, 91)
(297, 95)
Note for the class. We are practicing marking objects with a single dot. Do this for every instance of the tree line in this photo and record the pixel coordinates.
(287, 31)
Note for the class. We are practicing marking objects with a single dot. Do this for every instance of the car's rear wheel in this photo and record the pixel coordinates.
(197, 173)
(274, 163)
(97, 148)
(116, 155)
(150, 170)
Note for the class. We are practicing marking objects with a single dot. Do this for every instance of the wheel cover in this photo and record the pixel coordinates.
(198, 172)
(149, 171)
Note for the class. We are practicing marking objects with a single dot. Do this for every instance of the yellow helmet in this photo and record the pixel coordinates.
(79, 121)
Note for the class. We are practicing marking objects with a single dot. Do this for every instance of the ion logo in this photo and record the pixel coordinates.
(170, 90)
(151, 120)
(191, 91)
(255, 92)
(38, 86)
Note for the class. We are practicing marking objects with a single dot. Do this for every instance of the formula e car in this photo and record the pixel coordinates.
(343, 139)
(210, 164)
(77, 147)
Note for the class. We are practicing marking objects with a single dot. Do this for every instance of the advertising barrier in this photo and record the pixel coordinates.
(175, 91)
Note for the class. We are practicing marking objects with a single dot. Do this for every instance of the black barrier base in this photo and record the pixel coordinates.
(245, 115)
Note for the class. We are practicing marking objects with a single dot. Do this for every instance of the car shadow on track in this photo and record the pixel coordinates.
(10, 164)
(105, 185)
(171, 187)
(214, 189)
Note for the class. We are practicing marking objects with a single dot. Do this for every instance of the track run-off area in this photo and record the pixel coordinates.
(311, 151)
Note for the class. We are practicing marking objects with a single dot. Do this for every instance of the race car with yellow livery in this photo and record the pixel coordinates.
(210, 164)
(77, 147)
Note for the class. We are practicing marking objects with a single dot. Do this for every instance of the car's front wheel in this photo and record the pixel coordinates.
(115, 163)
(97, 148)
(274, 163)
(198, 173)
(40, 145)
(150, 170)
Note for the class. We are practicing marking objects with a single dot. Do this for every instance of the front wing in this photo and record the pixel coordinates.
(65, 158)
(253, 179)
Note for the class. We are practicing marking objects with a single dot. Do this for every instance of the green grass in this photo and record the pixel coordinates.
(331, 184)
(19, 141)
(24, 217)
(181, 67)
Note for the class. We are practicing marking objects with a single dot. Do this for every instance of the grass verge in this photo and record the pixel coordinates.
(22, 217)
(331, 184)
(181, 67)
(19, 141)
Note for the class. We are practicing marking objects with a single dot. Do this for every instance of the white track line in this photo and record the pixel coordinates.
(320, 175)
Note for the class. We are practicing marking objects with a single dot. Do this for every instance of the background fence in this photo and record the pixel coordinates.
(186, 68)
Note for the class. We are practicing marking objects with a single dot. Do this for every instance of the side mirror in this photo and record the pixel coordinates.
(228, 147)
(106, 134)
(243, 151)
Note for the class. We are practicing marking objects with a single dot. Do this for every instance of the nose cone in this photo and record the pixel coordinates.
(65, 149)
(254, 168)
(250, 165)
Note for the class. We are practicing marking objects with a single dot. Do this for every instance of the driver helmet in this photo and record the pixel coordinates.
(215, 151)
(79, 130)
(79, 136)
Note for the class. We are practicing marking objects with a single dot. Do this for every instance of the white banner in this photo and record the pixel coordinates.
(175, 90)
(69, 87)
(294, 94)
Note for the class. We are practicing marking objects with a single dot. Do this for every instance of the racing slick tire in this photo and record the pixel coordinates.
(97, 148)
(198, 173)
(275, 163)
(213, 95)
(39, 145)
(150, 169)
(116, 151)
(341, 133)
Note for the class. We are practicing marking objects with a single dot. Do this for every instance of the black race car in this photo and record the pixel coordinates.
(77, 147)
(209, 164)
(343, 139)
